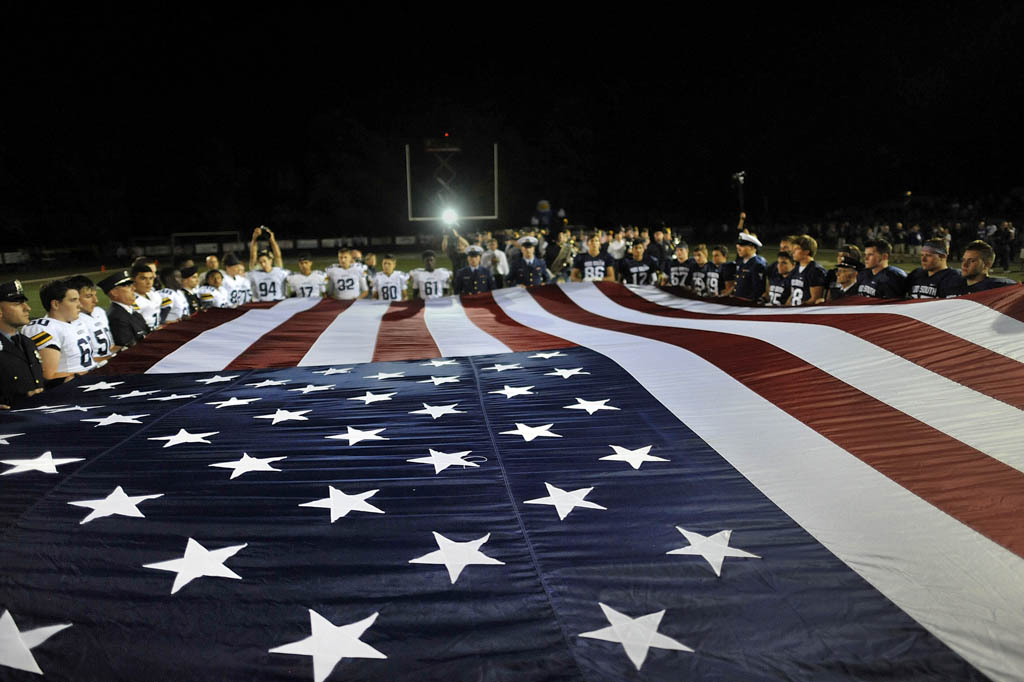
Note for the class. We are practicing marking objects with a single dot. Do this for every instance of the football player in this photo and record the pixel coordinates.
(64, 345)
(750, 268)
(679, 270)
(808, 279)
(720, 273)
(213, 294)
(698, 276)
(777, 286)
(93, 317)
(977, 261)
(147, 301)
(934, 279)
(235, 282)
(307, 282)
(474, 278)
(345, 281)
(389, 284)
(430, 281)
(174, 304)
(638, 268)
(878, 279)
(594, 265)
(266, 268)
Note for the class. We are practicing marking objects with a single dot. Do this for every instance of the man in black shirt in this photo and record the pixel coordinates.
(594, 265)
(638, 268)
(21, 370)
(934, 279)
(845, 283)
(679, 271)
(878, 279)
(127, 326)
(978, 259)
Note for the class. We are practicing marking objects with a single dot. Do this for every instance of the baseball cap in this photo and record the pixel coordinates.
(749, 240)
(119, 278)
(12, 292)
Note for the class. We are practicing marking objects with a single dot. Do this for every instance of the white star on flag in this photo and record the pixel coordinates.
(530, 432)
(135, 394)
(284, 416)
(713, 548)
(217, 379)
(564, 501)
(636, 635)
(247, 464)
(565, 373)
(269, 382)
(310, 388)
(356, 435)
(455, 556)
(341, 503)
(437, 381)
(329, 643)
(116, 418)
(15, 645)
(100, 386)
(437, 411)
(232, 402)
(371, 397)
(443, 460)
(183, 436)
(74, 408)
(591, 406)
(438, 363)
(116, 502)
(44, 463)
(634, 457)
(498, 367)
(38, 408)
(381, 376)
(548, 355)
(175, 396)
(199, 562)
(511, 391)
(5, 436)
(333, 370)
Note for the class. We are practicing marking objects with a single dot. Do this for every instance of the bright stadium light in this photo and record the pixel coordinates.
(449, 216)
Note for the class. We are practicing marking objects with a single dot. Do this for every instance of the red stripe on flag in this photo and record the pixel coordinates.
(403, 334)
(1007, 300)
(914, 455)
(966, 363)
(152, 349)
(485, 313)
(286, 344)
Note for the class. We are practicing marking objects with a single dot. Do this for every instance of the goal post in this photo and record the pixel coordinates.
(443, 163)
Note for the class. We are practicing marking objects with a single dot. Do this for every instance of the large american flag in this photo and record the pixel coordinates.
(576, 482)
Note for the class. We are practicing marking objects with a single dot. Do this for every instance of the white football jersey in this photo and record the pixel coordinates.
(239, 290)
(430, 284)
(312, 285)
(70, 338)
(390, 287)
(175, 303)
(345, 284)
(149, 307)
(268, 286)
(212, 297)
(98, 327)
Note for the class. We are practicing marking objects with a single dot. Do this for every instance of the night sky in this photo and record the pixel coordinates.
(114, 122)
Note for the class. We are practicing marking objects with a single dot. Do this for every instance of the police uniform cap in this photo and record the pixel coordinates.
(850, 262)
(189, 271)
(119, 278)
(12, 292)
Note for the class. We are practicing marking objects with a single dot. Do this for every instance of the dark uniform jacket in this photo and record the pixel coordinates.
(532, 273)
(126, 328)
(21, 370)
(470, 281)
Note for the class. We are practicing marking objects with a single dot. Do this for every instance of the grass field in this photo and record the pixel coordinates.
(34, 279)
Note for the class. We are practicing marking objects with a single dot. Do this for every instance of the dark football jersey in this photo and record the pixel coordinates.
(890, 282)
(778, 289)
(698, 281)
(750, 277)
(943, 284)
(639, 272)
(680, 273)
(593, 268)
(715, 277)
(813, 275)
(990, 283)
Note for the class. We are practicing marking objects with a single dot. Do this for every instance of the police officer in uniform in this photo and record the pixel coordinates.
(473, 279)
(528, 270)
(127, 326)
(21, 370)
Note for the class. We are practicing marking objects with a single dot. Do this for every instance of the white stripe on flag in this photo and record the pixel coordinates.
(454, 333)
(971, 321)
(924, 395)
(215, 348)
(951, 579)
(352, 337)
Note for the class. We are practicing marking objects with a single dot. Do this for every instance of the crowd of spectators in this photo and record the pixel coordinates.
(76, 334)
